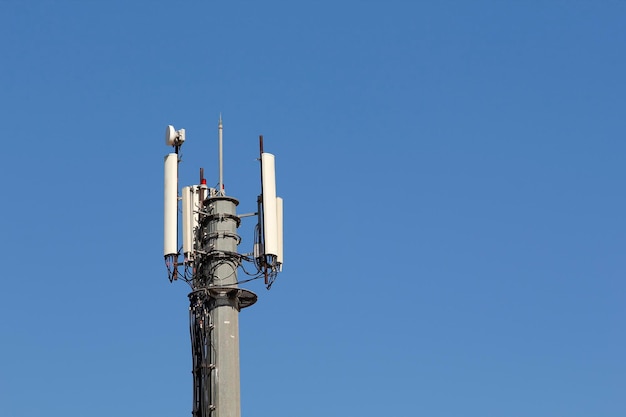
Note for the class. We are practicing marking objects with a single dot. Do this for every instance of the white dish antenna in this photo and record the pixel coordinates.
(174, 137)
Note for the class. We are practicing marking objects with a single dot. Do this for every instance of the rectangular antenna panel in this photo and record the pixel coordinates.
(170, 206)
(191, 199)
(187, 194)
(268, 182)
(195, 208)
(279, 223)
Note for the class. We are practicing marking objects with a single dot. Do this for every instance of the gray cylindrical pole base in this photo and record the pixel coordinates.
(215, 304)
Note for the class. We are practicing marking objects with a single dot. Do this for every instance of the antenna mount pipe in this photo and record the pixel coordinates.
(219, 138)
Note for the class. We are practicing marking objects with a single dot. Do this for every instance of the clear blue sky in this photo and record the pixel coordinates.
(453, 175)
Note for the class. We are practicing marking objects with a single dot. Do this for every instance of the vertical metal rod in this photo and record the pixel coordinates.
(261, 208)
(219, 137)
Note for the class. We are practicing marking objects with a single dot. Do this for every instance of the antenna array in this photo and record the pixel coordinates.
(210, 265)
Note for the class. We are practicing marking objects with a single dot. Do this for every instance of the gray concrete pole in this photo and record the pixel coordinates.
(216, 299)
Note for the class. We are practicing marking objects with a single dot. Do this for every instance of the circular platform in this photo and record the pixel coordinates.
(245, 298)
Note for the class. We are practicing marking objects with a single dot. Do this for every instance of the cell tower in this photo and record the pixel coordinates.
(210, 262)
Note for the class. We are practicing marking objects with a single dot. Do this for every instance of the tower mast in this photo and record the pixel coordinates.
(215, 301)
(211, 261)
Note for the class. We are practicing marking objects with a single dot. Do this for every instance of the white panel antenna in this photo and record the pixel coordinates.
(170, 206)
(187, 197)
(270, 217)
(198, 194)
(191, 198)
(279, 229)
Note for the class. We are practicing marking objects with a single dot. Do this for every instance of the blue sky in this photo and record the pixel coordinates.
(453, 180)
